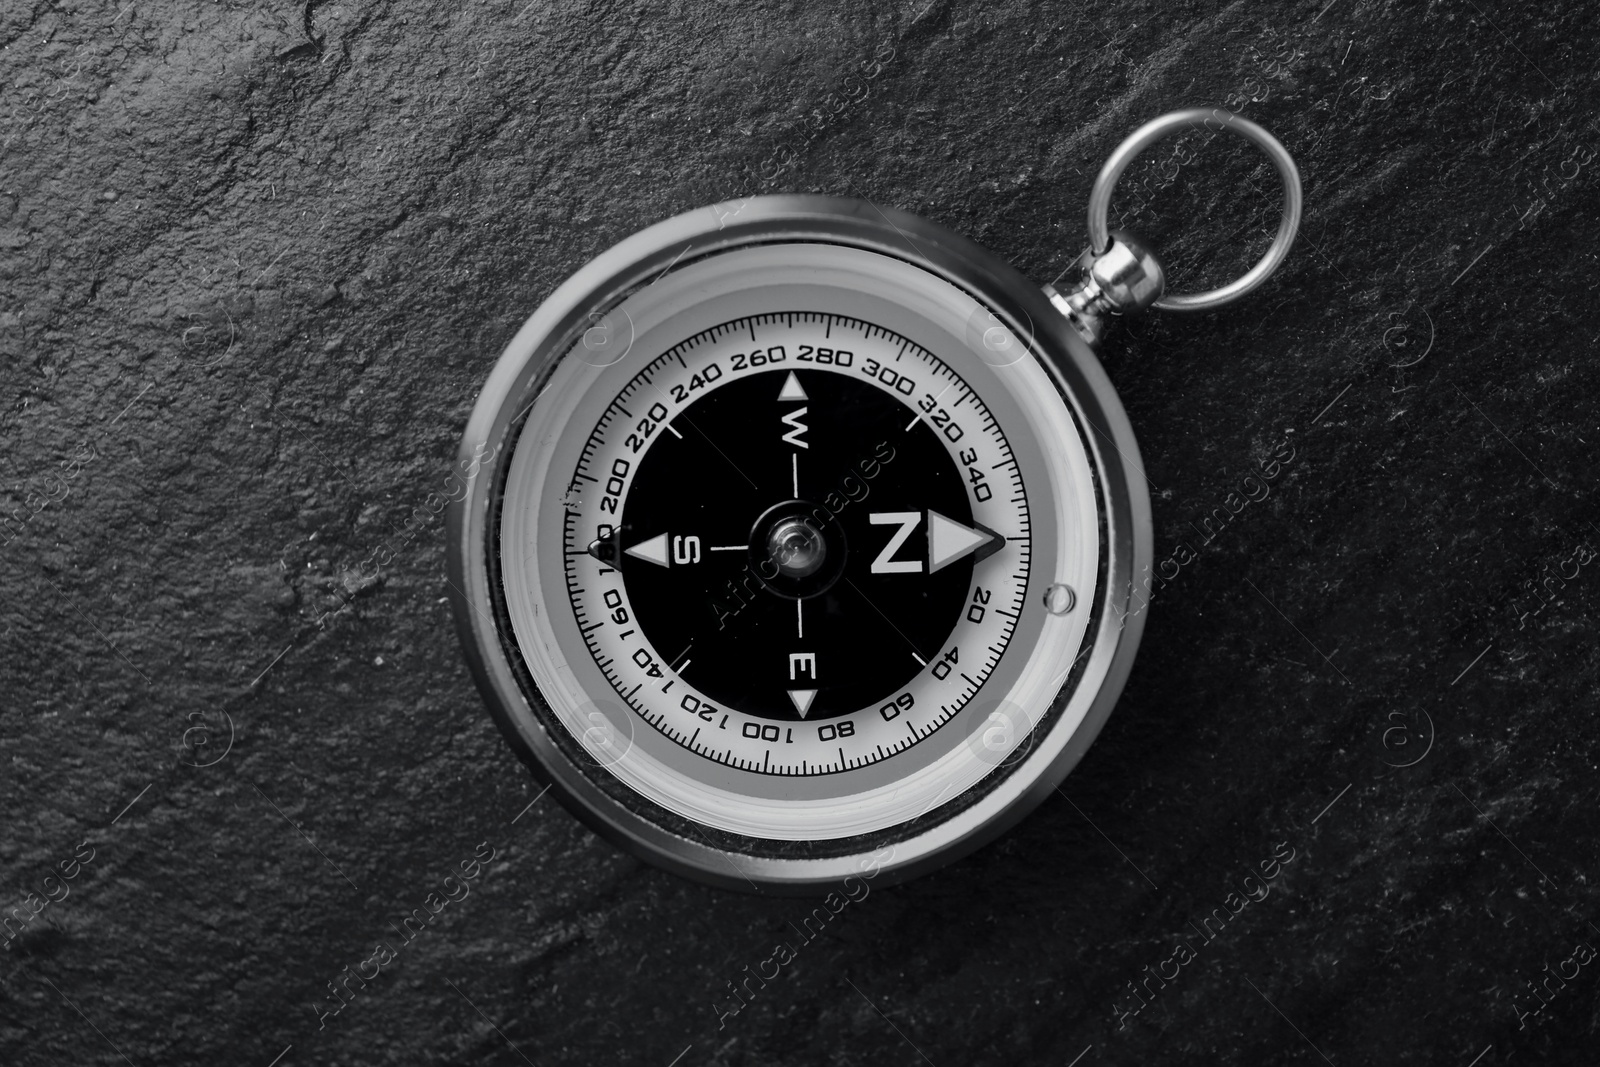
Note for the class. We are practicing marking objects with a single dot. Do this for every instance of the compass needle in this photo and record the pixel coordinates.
(791, 389)
(802, 699)
(949, 541)
(653, 550)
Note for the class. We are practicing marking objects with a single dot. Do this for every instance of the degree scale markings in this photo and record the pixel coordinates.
(665, 380)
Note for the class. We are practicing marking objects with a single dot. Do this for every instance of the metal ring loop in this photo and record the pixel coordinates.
(1154, 130)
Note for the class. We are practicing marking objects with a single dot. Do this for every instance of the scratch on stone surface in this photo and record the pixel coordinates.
(1332, 402)
(1474, 662)
(271, 665)
(299, 830)
(132, 402)
(92, 1026)
(99, 631)
(131, 803)
(1502, 833)
(1297, 630)
(1318, 250)
(531, 803)
(1469, 266)
(1513, 44)
(1503, 436)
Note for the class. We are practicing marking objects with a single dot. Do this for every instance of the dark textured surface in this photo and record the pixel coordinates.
(256, 262)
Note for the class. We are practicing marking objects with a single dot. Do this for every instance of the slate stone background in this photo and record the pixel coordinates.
(256, 261)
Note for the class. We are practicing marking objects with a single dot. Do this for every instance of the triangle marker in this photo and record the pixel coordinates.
(791, 389)
(802, 700)
(654, 550)
(949, 541)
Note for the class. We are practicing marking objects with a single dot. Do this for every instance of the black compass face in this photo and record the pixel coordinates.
(775, 544)
(797, 543)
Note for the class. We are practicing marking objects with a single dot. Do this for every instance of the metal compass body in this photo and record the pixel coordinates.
(800, 541)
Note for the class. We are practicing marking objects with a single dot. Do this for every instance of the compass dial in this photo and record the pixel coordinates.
(806, 503)
(772, 557)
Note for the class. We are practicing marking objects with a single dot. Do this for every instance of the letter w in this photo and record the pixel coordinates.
(793, 436)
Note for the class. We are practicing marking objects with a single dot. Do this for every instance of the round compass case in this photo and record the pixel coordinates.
(798, 543)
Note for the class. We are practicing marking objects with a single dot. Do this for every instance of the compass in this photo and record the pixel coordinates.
(800, 535)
